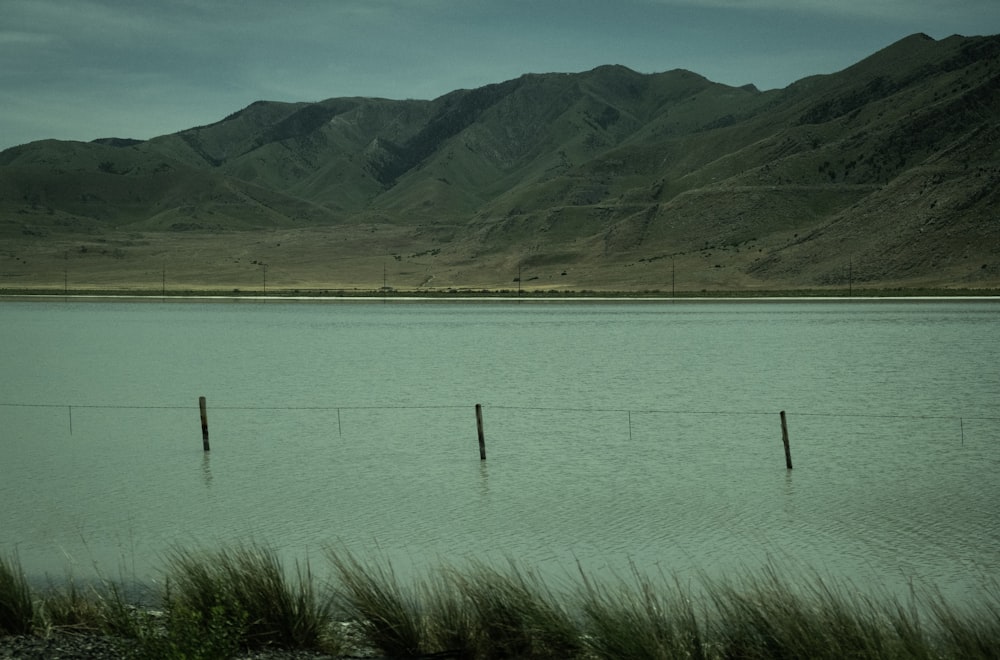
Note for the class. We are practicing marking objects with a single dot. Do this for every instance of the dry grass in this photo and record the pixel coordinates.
(641, 619)
(346, 260)
(390, 616)
(218, 603)
(249, 586)
(17, 607)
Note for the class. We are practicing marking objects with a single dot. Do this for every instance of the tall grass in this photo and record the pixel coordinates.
(451, 625)
(482, 612)
(80, 609)
(974, 630)
(217, 603)
(17, 606)
(517, 614)
(641, 619)
(765, 616)
(389, 615)
(248, 587)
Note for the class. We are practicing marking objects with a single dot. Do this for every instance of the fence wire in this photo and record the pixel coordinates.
(515, 423)
(656, 411)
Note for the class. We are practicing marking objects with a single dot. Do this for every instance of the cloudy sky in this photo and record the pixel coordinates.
(83, 69)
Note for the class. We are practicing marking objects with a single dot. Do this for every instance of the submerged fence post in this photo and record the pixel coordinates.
(203, 406)
(784, 439)
(479, 429)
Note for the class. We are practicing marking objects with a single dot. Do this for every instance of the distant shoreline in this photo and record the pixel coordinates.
(622, 298)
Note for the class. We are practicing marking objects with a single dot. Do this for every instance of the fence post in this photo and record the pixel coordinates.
(784, 439)
(203, 407)
(479, 429)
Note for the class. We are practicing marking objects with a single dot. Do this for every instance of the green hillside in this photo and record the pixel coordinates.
(882, 175)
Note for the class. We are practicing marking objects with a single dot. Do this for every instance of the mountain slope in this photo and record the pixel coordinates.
(884, 174)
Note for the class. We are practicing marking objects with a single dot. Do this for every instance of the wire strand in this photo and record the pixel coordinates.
(651, 411)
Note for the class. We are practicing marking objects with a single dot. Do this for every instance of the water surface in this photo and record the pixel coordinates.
(615, 433)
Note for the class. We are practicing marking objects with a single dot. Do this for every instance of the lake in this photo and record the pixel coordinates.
(616, 433)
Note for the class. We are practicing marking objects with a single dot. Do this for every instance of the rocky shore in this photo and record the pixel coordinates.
(62, 647)
(103, 647)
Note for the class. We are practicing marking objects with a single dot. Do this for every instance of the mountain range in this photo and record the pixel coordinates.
(883, 175)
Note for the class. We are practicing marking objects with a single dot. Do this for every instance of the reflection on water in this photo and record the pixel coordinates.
(206, 468)
(353, 426)
(484, 480)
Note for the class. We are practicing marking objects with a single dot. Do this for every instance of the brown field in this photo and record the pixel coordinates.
(340, 260)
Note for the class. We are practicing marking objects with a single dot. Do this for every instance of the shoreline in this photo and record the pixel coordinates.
(232, 603)
(486, 299)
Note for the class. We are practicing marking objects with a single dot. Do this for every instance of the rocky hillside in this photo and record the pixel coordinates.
(884, 174)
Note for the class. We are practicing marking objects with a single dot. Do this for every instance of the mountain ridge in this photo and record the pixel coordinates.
(885, 173)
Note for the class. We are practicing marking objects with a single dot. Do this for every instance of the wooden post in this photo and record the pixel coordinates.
(479, 428)
(203, 406)
(784, 439)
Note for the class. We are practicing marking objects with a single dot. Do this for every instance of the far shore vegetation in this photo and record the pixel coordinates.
(471, 292)
(223, 603)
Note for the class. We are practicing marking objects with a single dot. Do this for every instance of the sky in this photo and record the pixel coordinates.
(86, 69)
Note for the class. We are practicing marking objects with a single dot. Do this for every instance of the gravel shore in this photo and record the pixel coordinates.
(102, 647)
(61, 647)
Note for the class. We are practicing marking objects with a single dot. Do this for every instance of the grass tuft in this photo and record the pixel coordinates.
(73, 609)
(17, 606)
(516, 614)
(640, 619)
(390, 617)
(972, 631)
(764, 615)
(216, 605)
(450, 624)
(248, 586)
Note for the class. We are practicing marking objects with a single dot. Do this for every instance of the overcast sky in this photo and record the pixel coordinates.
(84, 69)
